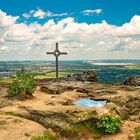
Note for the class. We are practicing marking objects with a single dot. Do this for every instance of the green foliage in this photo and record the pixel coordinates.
(6, 81)
(88, 128)
(109, 124)
(137, 133)
(85, 129)
(48, 137)
(23, 85)
(71, 132)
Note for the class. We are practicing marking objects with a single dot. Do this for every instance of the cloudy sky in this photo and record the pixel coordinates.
(86, 29)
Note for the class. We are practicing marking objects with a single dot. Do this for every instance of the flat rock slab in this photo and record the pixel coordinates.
(15, 128)
(56, 111)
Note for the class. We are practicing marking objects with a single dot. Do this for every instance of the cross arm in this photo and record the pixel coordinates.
(63, 53)
(50, 53)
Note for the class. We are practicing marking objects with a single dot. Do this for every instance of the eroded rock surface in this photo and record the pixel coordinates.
(83, 76)
(58, 111)
(15, 128)
(133, 81)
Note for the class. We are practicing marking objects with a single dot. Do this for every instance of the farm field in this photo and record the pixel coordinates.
(108, 71)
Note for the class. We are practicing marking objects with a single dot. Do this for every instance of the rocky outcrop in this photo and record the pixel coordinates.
(58, 111)
(55, 88)
(5, 102)
(15, 128)
(83, 76)
(133, 81)
(60, 117)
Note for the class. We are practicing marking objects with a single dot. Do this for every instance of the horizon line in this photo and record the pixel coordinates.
(70, 60)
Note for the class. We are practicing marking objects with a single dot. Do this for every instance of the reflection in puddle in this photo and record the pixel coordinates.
(90, 103)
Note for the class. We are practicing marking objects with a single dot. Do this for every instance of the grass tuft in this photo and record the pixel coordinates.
(47, 137)
(137, 133)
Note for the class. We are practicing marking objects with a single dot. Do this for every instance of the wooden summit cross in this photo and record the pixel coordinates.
(57, 53)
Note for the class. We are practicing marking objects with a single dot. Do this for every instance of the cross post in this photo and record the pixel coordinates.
(57, 53)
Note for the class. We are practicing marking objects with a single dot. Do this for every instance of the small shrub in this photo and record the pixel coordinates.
(14, 89)
(23, 85)
(137, 133)
(109, 124)
(48, 137)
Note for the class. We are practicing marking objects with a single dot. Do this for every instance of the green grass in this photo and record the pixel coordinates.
(9, 113)
(1, 67)
(41, 76)
(6, 80)
(38, 76)
(91, 128)
(137, 133)
(85, 129)
(133, 67)
(52, 75)
(47, 137)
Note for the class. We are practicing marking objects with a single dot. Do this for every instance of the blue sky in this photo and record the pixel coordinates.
(114, 11)
(87, 29)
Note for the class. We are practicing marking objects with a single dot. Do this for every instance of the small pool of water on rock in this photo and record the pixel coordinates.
(90, 103)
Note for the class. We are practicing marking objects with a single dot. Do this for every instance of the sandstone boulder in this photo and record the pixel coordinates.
(133, 81)
(55, 88)
(83, 76)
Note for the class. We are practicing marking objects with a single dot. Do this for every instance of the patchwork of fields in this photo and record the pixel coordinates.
(108, 71)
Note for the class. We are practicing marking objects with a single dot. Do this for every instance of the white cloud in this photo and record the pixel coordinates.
(128, 29)
(100, 40)
(39, 13)
(26, 15)
(32, 11)
(6, 20)
(51, 14)
(5, 49)
(42, 14)
(91, 12)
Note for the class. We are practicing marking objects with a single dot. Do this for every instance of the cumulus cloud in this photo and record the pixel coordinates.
(91, 12)
(128, 29)
(6, 20)
(40, 14)
(81, 40)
